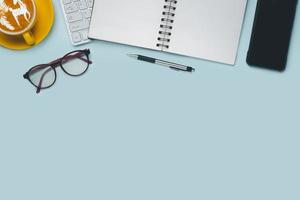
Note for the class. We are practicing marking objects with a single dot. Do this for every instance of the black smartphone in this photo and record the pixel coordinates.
(271, 34)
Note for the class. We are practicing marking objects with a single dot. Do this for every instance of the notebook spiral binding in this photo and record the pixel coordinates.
(166, 26)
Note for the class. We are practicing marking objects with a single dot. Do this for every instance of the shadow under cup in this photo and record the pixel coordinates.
(17, 18)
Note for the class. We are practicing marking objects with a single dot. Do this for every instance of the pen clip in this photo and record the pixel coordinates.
(188, 69)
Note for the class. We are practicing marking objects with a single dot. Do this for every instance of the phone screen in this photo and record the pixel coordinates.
(271, 34)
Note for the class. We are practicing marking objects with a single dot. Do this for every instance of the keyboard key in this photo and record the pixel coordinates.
(76, 16)
(76, 37)
(81, 4)
(87, 13)
(84, 34)
(90, 3)
(69, 8)
(79, 25)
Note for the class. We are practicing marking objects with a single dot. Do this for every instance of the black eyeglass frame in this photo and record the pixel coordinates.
(59, 63)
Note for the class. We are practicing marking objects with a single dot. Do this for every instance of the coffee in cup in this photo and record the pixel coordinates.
(17, 17)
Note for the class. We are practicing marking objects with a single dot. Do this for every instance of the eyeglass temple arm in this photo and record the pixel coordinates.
(56, 63)
(36, 69)
(41, 80)
(77, 55)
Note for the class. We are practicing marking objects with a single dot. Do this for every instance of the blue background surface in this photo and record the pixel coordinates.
(131, 130)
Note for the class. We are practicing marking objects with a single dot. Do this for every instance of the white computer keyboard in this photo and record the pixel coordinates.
(78, 16)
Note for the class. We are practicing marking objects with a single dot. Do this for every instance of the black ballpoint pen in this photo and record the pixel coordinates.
(171, 65)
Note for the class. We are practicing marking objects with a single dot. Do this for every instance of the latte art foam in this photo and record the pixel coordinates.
(16, 15)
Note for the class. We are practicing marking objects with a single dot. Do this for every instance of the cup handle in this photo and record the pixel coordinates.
(29, 38)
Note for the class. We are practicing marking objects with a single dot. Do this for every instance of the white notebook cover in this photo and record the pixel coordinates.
(207, 29)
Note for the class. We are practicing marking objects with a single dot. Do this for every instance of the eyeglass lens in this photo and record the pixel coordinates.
(42, 76)
(75, 63)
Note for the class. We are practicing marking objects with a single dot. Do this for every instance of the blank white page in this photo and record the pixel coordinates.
(208, 29)
(132, 22)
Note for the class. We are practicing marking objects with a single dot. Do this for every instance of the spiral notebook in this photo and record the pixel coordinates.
(206, 29)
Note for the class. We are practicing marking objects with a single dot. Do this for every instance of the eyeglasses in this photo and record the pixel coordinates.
(43, 76)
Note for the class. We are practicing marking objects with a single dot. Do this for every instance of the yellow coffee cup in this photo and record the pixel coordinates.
(17, 17)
